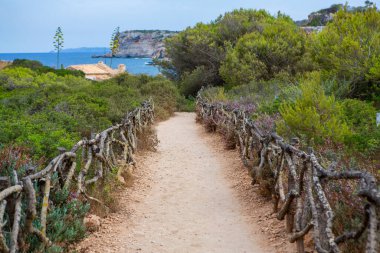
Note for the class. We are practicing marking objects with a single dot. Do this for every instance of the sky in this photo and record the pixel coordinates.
(29, 25)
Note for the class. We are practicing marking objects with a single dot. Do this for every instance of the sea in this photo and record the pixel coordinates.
(133, 65)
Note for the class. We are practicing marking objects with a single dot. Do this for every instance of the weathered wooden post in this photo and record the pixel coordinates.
(291, 186)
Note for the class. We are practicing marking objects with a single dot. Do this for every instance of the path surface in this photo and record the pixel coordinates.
(181, 201)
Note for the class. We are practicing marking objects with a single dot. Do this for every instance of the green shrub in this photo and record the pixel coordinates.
(14, 78)
(65, 219)
(30, 64)
(66, 213)
(41, 111)
(204, 45)
(165, 95)
(313, 116)
(361, 118)
(192, 82)
(186, 104)
(262, 54)
(40, 68)
(44, 111)
(215, 94)
(66, 222)
(348, 49)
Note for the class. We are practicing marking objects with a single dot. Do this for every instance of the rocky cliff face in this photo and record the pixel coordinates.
(321, 17)
(143, 43)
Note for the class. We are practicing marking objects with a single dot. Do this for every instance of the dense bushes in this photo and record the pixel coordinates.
(164, 94)
(39, 68)
(320, 87)
(360, 117)
(261, 55)
(245, 45)
(202, 49)
(348, 49)
(313, 115)
(43, 111)
(191, 82)
(332, 109)
(302, 109)
(65, 217)
(236, 48)
(192, 48)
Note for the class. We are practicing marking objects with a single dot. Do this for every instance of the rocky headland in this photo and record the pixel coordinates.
(142, 44)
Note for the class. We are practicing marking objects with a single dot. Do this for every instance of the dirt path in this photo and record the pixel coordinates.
(183, 200)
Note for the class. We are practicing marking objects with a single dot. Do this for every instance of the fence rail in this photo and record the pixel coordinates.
(298, 181)
(93, 157)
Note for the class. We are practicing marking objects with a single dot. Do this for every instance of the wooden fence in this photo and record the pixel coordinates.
(298, 181)
(95, 157)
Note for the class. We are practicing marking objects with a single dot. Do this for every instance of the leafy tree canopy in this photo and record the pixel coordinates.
(349, 49)
(204, 46)
(278, 46)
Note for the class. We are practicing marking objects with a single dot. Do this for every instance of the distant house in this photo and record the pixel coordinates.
(3, 64)
(98, 71)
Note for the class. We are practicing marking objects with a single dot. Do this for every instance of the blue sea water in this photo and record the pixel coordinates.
(134, 65)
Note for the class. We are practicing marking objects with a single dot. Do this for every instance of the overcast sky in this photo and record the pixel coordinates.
(29, 25)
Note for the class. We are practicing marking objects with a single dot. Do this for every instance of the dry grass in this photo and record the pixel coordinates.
(210, 125)
(147, 139)
(229, 137)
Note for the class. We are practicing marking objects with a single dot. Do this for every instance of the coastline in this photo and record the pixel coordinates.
(134, 65)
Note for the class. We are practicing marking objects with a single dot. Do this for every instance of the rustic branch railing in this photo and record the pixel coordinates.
(304, 201)
(93, 157)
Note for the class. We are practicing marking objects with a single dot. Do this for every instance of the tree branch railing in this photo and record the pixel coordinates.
(304, 201)
(94, 157)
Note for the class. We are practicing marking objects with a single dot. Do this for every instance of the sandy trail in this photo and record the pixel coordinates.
(181, 201)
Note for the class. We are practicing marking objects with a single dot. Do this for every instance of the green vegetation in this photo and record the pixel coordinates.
(261, 55)
(43, 109)
(236, 48)
(348, 50)
(66, 212)
(197, 53)
(37, 67)
(313, 115)
(319, 119)
(313, 86)
(65, 223)
(322, 88)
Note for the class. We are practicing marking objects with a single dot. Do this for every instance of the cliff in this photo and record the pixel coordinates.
(143, 43)
(322, 17)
